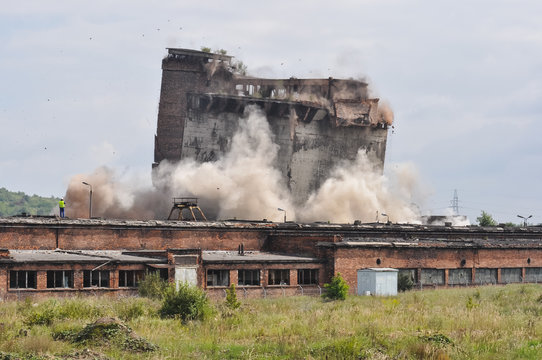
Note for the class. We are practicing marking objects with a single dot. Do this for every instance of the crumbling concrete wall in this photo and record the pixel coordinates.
(314, 134)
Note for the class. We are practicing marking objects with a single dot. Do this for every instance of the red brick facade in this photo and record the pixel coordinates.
(436, 256)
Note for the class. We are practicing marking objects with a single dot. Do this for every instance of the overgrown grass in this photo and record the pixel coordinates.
(501, 322)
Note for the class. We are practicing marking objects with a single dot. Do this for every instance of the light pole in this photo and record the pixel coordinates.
(90, 200)
(279, 209)
(525, 219)
(387, 217)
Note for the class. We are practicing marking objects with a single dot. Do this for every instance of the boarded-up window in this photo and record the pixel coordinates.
(248, 277)
(60, 279)
(22, 279)
(279, 277)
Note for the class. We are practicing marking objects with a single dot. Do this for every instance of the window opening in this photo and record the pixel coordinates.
(59, 279)
(307, 276)
(23, 279)
(279, 277)
(98, 278)
(248, 277)
(218, 277)
(129, 278)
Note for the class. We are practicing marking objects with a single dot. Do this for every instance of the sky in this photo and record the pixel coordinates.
(80, 85)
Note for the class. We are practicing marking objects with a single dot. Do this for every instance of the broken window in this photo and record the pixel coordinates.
(533, 275)
(485, 276)
(459, 276)
(248, 277)
(129, 278)
(432, 277)
(279, 277)
(23, 279)
(410, 273)
(218, 277)
(60, 279)
(307, 276)
(511, 275)
(96, 278)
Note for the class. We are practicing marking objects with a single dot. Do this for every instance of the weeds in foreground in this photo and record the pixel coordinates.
(505, 323)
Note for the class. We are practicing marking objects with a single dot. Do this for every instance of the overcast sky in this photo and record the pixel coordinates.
(80, 84)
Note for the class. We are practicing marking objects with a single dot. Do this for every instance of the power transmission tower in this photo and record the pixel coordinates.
(455, 203)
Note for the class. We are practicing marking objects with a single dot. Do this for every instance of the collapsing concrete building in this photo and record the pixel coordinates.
(316, 122)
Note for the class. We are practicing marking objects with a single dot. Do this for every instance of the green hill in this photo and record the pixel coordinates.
(16, 203)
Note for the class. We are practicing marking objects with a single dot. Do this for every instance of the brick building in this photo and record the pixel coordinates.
(44, 256)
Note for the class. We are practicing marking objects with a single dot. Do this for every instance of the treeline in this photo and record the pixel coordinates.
(16, 203)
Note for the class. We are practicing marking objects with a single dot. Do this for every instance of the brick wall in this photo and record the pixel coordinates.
(70, 237)
(349, 260)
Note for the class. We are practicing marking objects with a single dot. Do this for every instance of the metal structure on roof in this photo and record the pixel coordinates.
(186, 209)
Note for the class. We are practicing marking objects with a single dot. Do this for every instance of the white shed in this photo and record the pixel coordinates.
(377, 281)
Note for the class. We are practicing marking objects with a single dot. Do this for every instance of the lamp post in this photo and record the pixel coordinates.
(387, 217)
(279, 209)
(90, 200)
(525, 219)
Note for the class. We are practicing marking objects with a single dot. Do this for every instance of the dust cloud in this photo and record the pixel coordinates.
(245, 183)
(113, 198)
(357, 191)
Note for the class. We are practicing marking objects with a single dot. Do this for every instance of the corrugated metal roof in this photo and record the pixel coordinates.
(80, 256)
(253, 256)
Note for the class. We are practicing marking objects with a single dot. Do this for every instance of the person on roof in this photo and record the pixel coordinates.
(61, 205)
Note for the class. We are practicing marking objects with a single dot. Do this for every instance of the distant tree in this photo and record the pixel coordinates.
(15, 203)
(486, 219)
(206, 49)
(510, 224)
(337, 289)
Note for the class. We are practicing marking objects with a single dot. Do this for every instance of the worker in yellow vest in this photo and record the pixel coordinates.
(61, 205)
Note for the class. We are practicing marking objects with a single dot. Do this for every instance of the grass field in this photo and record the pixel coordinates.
(496, 322)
